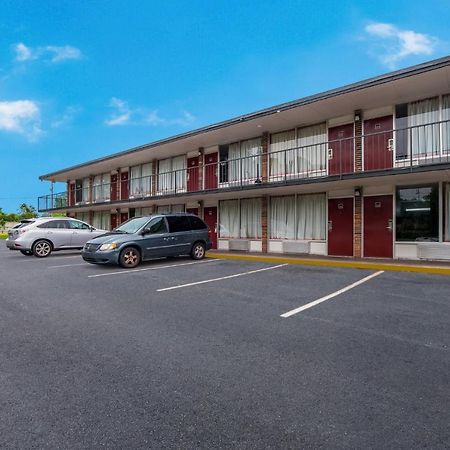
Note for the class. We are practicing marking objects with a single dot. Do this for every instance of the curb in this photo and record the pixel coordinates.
(437, 270)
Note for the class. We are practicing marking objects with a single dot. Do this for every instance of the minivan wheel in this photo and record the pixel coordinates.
(26, 252)
(129, 257)
(198, 250)
(42, 248)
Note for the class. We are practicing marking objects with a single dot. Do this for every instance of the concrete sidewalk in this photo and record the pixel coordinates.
(433, 267)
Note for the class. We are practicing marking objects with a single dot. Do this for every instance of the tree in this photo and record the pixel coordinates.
(27, 211)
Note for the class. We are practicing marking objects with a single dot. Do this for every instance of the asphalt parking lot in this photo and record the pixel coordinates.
(221, 354)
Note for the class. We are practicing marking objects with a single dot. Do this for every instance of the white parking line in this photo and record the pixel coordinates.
(127, 271)
(329, 296)
(221, 278)
(67, 265)
(52, 258)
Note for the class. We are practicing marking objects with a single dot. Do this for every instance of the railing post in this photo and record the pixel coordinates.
(264, 157)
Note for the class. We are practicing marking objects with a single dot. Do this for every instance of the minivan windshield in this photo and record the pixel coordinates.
(132, 226)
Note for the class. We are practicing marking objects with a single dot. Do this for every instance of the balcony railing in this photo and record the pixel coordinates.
(403, 148)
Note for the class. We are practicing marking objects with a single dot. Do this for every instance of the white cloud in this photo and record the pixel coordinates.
(397, 44)
(67, 117)
(51, 53)
(125, 115)
(21, 117)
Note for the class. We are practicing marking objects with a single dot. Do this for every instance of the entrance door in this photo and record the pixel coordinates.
(113, 221)
(72, 194)
(123, 217)
(340, 226)
(211, 220)
(211, 171)
(124, 186)
(192, 174)
(378, 143)
(192, 211)
(341, 149)
(378, 230)
(113, 188)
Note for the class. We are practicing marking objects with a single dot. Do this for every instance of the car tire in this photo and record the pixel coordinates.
(129, 258)
(198, 251)
(26, 252)
(42, 248)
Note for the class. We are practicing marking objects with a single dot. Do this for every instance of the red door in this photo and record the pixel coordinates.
(341, 149)
(211, 171)
(123, 217)
(340, 226)
(378, 226)
(124, 186)
(211, 220)
(378, 143)
(192, 174)
(192, 211)
(113, 221)
(71, 194)
(113, 188)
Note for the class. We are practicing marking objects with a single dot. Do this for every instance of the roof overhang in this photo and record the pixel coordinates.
(421, 81)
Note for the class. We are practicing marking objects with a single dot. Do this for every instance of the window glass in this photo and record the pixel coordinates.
(311, 216)
(75, 225)
(197, 223)
(55, 224)
(417, 213)
(250, 212)
(178, 223)
(157, 226)
(132, 225)
(282, 217)
(229, 219)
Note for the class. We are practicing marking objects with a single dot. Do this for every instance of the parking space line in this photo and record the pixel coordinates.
(125, 271)
(330, 296)
(54, 257)
(221, 278)
(66, 265)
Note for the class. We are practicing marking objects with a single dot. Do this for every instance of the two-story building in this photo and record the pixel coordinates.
(362, 171)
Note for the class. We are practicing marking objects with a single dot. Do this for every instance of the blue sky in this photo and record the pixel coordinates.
(83, 79)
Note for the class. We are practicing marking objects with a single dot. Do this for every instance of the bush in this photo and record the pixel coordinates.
(3, 235)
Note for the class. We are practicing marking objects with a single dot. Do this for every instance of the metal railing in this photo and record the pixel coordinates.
(408, 147)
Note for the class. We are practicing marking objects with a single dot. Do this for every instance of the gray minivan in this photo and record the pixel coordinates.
(143, 238)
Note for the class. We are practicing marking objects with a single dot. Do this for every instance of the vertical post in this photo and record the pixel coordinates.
(358, 167)
(201, 209)
(264, 223)
(265, 157)
(357, 224)
(91, 182)
(201, 168)
(154, 177)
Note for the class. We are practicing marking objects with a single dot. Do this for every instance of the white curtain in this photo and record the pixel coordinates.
(140, 180)
(312, 154)
(282, 157)
(424, 136)
(135, 181)
(164, 175)
(105, 221)
(146, 211)
(106, 186)
(251, 162)
(179, 174)
(163, 209)
(146, 182)
(282, 217)
(251, 218)
(177, 208)
(85, 190)
(97, 188)
(446, 125)
(229, 219)
(97, 220)
(234, 162)
(311, 216)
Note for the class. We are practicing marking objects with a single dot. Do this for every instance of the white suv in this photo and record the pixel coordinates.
(39, 237)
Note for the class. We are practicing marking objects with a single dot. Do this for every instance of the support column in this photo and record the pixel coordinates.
(358, 141)
(154, 176)
(91, 182)
(357, 224)
(264, 223)
(201, 209)
(265, 157)
(201, 165)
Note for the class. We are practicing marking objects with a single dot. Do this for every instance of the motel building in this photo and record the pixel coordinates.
(358, 171)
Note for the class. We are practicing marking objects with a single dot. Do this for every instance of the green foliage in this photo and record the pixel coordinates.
(3, 235)
(25, 212)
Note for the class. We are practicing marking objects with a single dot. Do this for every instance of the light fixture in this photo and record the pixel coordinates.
(358, 191)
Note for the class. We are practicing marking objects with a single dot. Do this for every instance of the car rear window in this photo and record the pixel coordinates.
(178, 223)
(197, 223)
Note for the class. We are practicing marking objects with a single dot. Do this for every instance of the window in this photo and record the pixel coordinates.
(157, 226)
(446, 123)
(141, 180)
(102, 220)
(447, 212)
(166, 209)
(417, 213)
(84, 217)
(55, 224)
(298, 217)
(240, 161)
(197, 223)
(172, 175)
(240, 219)
(178, 223)
(298, 152)
(75, 225)
(101, 187)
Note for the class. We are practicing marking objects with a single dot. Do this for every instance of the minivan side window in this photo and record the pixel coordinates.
(197, 223)
(178, 223)
(157, 226)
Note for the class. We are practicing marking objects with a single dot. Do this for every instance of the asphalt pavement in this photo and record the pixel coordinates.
(189, 355)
